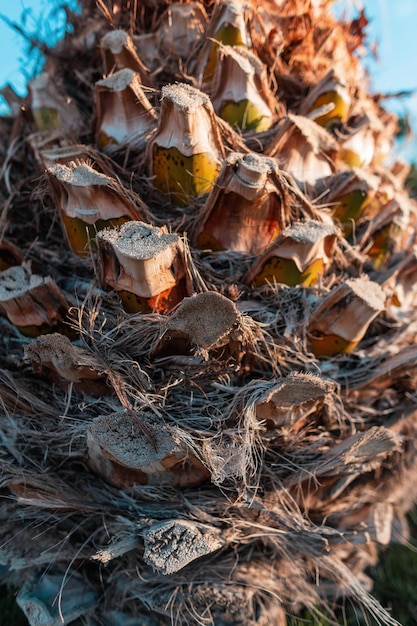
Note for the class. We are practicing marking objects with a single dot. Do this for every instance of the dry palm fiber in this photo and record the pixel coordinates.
(242, 453)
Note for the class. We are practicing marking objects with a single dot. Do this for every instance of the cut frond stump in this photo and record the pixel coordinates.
(342, 318)
(298, 256)
(304, 149)
(145, 265)
(359, 142)
(33, 303)
(186, 151)
(172, 545)
(240, 92)
(181, 28)
(252, 201)
(124, 115)
(121, 454)
(247, 207)
(360, 453)
(291, 400)
(51, 109)
(203, 324)
(69, 155)
(88, 201)
(229, 26)
(377, 520)
(328, 103)
(54, 355)
(388, 232)
(119, 52)
(402, 286)
(347, 194)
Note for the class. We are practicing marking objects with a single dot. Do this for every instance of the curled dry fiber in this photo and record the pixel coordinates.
(244, 450)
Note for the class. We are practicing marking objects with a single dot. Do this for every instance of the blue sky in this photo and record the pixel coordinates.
(14, 67)
(393, 27)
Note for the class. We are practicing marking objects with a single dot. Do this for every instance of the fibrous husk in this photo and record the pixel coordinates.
(311, 43)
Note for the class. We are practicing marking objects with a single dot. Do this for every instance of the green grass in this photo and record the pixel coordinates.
(395, 586)
(396, 582)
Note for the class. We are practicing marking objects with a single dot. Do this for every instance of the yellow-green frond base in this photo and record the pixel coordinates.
(183, 177)
(330, 345)
(286, 271)
(46, 118)
(227, 35)
(339, 112)
(81, 235)
(245, 115)
(349, 208)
